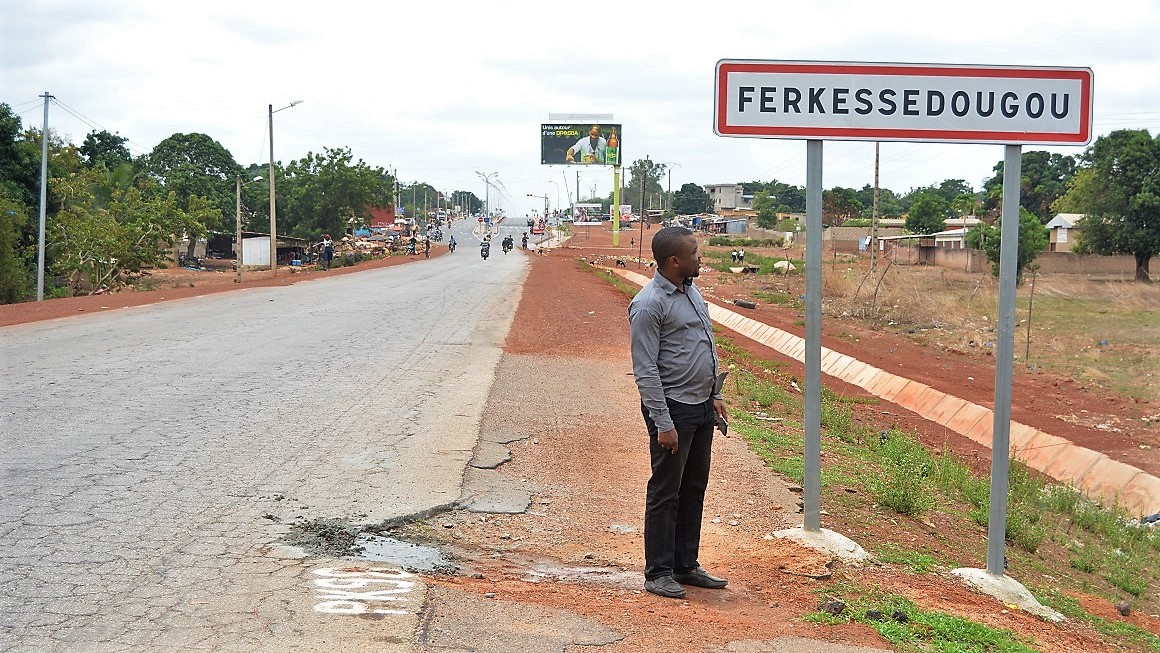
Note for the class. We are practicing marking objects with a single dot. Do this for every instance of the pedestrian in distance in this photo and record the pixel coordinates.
(741, 256)
(427, 248)
(327, 251)
(733, 255)
(675, 364)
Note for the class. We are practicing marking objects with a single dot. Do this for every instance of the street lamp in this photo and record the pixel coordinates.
(238, 246)
(486, 187)
(558, 207)
(666, 164)
(545, 198)
(273, 211)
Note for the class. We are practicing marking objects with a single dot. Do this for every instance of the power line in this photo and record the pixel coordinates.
(95, 126)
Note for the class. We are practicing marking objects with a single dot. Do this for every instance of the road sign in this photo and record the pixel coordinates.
(480, 219)
(903, 102)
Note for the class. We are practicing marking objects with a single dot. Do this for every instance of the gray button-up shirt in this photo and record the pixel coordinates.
(672, 347)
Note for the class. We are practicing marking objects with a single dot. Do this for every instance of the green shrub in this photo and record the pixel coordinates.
(901, 484)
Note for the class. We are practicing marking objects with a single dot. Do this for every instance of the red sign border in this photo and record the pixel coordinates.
(728, 66)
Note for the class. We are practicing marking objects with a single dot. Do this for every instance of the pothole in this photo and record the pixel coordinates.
(325, 538)
(409, 556)
(340, 538)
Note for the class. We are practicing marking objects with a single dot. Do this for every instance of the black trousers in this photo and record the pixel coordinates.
(675, 497)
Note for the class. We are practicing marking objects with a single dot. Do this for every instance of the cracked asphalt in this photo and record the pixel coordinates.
(152, 459)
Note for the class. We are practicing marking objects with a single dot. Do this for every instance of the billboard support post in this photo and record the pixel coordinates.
(616, 206)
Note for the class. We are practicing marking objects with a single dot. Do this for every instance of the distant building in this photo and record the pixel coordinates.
(725, 197)
(1059, 232)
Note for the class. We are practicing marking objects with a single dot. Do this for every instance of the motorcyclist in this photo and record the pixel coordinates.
(485, 247)
(508, 244)
(451, 244)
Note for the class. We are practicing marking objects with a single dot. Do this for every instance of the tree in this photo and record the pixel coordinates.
(103, 148)
(889, 205)
(838, 205)
(19, 161)
(1118, 191)
(94, 244)
(787, 198)
(1043, 179)
(766, 213)
(1032, 241)
(331, 193)
(648, 171)
(15, 280)
(195, 165)
(928, 214)
(691, 199)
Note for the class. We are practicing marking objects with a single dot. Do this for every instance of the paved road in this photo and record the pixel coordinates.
(152, 458)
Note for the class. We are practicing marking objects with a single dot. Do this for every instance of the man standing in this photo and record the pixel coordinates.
(674, 361)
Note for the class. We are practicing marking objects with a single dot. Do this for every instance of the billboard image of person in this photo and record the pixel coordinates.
(587, 144)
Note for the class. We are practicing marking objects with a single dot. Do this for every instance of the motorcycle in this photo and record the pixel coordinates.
(484, 250)
(507, 246)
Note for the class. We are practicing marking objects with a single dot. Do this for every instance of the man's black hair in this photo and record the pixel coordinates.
(668, 242)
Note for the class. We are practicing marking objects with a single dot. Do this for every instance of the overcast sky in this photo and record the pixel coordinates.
(440, 90)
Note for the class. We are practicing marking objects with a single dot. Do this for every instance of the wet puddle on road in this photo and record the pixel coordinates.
(412, 557)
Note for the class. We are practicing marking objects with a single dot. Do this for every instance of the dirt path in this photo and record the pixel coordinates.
(181, 283)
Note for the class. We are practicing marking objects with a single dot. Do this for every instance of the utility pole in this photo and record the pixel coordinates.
(238, 218)
(273, 203)
(670, 189)
(43, 201)
(643, 217)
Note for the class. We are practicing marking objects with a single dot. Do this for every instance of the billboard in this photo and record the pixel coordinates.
(587, 213)
(943, 103)
(580, 144)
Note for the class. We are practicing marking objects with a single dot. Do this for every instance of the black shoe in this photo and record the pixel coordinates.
(701, 578)
(665, 586)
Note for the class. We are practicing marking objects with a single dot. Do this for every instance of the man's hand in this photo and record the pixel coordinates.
(719, 408)
(668, 440)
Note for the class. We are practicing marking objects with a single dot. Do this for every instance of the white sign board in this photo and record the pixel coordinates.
(903, 102)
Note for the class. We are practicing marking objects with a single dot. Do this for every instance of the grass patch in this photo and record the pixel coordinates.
(1070, 608)
(922, 630)
(920, 563)
(778, 298)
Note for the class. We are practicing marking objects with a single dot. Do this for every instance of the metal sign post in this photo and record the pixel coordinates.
(812, 479)
(1004, 360)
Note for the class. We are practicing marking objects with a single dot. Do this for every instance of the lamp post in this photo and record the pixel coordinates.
(273, 210)
(558, 207)
(666, 164)
(486, 195)
(238, 246)
(545, 198)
